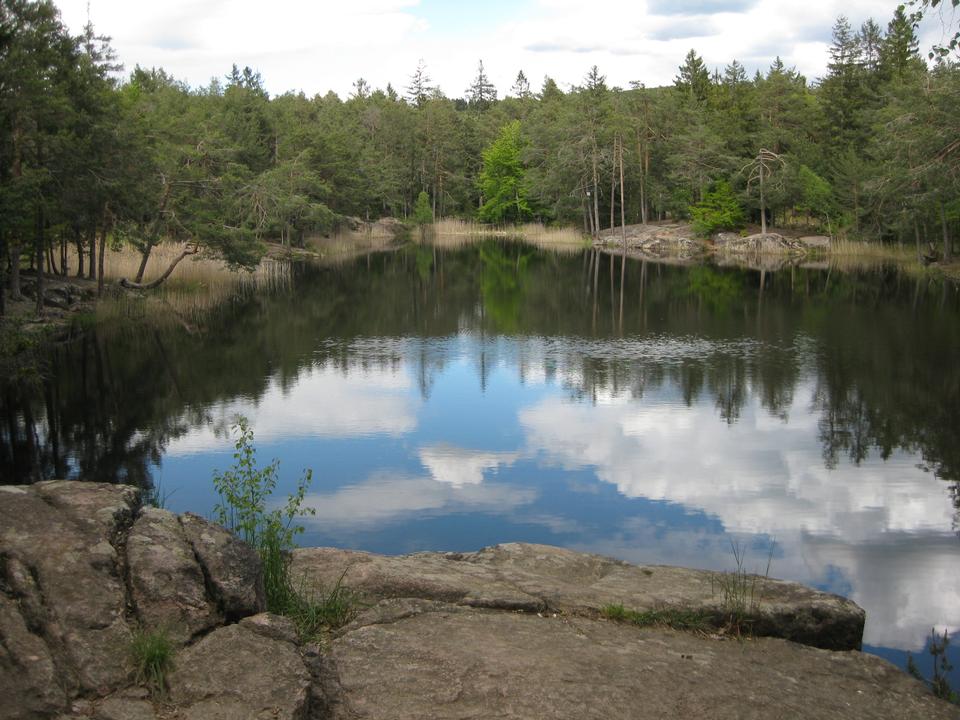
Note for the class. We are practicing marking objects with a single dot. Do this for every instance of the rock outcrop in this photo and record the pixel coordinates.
(510, 631)
(545, 579)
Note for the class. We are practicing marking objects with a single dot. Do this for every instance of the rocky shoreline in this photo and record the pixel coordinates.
(513, 630)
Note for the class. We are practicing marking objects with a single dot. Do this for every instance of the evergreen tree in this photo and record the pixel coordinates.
(521, 87)
(899, 51)
(481, 91)
(694, 79)
(419, 89)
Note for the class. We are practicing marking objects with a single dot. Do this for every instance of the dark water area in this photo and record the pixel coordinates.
(448, 399)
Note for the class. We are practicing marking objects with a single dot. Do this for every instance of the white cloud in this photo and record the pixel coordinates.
(458, 467)
(389, 497)
(326, 403)
(886, 525)
(326, 45)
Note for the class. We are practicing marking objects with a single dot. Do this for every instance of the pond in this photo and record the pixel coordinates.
(449, 398)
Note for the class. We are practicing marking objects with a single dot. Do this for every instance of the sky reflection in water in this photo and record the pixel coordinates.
(641, 476)
(452, 399)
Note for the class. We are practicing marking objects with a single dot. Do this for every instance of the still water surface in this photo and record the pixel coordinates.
(448, 399)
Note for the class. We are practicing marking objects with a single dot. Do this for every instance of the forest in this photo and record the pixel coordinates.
(93, 157)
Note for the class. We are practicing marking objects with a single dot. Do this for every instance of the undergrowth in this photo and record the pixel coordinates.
(939, 683)
(741, 591)
(676, 618)
(152, 655)
(245, 492)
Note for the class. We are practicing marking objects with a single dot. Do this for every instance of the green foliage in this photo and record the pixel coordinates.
(422, 213)
(502, 181)
(151, 653)
(940, 681)
(244, 492)
(719, 210)
(676, 618)
(314, 611)
(741, 591)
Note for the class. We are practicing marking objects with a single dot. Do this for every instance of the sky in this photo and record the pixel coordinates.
(324, 45)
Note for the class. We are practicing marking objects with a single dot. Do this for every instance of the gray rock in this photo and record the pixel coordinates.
(165, 578)
(518, 576)
(237, 674)
(124, 708)
(464, 663)
(232, 568)
(271, 626)
(29, 681)
(815, 241)
(58, 539)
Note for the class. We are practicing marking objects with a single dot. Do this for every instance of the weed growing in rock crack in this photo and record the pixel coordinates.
(155, 496)
(741, 591)
(939, 683)
(244, 493)
(313, 610)
(152, 654)
(676, 618)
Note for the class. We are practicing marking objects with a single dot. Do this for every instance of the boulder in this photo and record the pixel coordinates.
(235, 673)
(63, 569)
(532, 578)
(231, 567)
(82, 563)
(821, 242)
(166, 581)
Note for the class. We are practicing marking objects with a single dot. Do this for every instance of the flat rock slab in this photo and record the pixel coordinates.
(532, 578)
(420, 659)
(238, 673)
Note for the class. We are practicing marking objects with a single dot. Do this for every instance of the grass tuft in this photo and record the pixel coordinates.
(676, 618)
(152, 655)
(741, 591)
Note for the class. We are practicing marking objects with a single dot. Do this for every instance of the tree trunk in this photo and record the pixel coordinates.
(78, 240)
(14, 252)
(946, 233)
(596, 199)
(103, 245)
(92, 266)
(916, 235)
(3, 285)
(144, 256)
(155, 283)
(623, 207)
(38, 251)
(763, 208)
(613, 191)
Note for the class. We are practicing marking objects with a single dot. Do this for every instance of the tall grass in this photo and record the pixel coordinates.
(534, 233)
(741, 591)
(152, 655)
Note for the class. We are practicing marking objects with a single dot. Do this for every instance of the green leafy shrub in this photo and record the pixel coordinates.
(719, 210)
(244, 493)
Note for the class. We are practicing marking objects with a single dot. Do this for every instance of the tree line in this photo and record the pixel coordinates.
(87, 159)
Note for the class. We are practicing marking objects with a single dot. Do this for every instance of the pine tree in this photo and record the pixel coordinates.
(843, 92)
(900, 50)
(481, 91)
(419, 89)
(694, 78)
(521, 87)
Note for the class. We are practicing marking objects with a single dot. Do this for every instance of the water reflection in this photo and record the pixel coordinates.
(448, 399)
